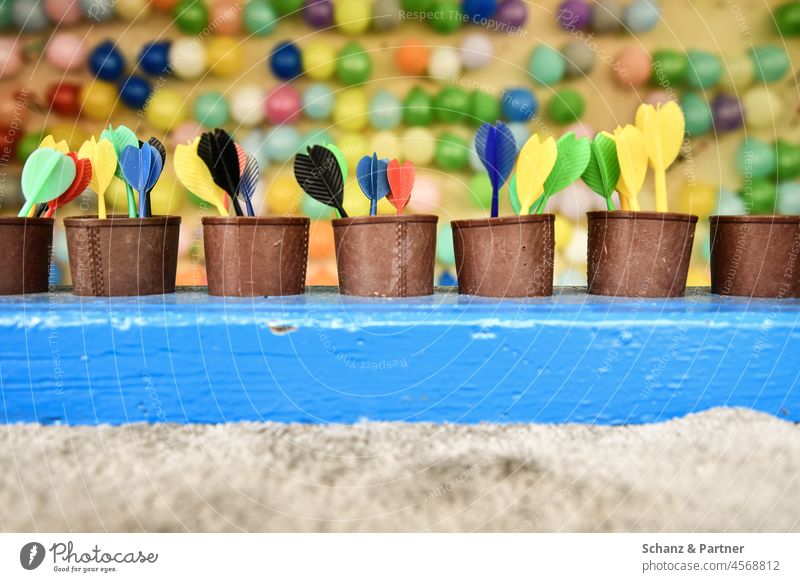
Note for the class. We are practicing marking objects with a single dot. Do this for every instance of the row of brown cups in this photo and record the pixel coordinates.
(631, 254)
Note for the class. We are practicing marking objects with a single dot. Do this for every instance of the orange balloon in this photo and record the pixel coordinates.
(166, 5)
(411, 57)
(320, 240)
(324, 276)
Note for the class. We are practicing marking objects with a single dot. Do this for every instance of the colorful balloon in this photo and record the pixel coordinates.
(607, 16)
(65, 51)
(418, 108)
(566, 106)
(756, 158)
(135, 91)
(190, 16)
(519, 104)
(670, 68)
(705, 69)
(98, 100)
(511, 14)
(728, 115)
(760, 196)
(451, 104)
(318, 101)
(226, 16)
(385, 110)
(286, 61)
(476, 51)
(788, 160)
(763, 109)
(737, 72)
(350, 112)
(282, 143)
(633, 66)
(106, 61)
(319, 60)
(259, 17)
(166, 109)
(425, 196)
(770, 63)
(247, 105)
(224, 55)
(419, 146)
(697, 113)
(579, 57)
(187, 58)
(154, 57)
(480, 190)
(283, 105)
(211, 109)
(574, 15)
(444, 64)
(447, 18)
(452, 152)
(483, 107)
(788, 194)
(546, 65)
(385, 14)
(353, 66)
(29, 15)
(65, 98)
(130, 10)
(642, 15)
(318, 13)
(10, 57)
(411, 57)
(352, 16)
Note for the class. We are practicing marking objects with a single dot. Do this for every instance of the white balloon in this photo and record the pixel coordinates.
(476, 51)
(187, 58)
(247, 105)
(444, 64)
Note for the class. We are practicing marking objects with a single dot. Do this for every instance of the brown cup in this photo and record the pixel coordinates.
(263, 255)
(639, 254)
(386, 256)
(120, 256)
(509, 256)
(755, 256)
(25, 258)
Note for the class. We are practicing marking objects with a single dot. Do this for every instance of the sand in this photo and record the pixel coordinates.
(722, 470)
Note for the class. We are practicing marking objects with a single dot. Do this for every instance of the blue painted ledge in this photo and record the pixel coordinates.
(325, 358)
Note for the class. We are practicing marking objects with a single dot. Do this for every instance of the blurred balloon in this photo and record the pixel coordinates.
(789, 197)
(763, 108)
(760, 196)
(633, 66)
(314, 137)
(425, 196)
(563, 230)
(106, 61)
(64, 98)
(29, 143)
(353, 65)
(444, 64)
(154, 57)
(284, 196)
(574, 15)
(756, 158)
(355, 203)
(282, 143)
(451, 104)
(226, 16)
(97, 10)
(512, 14)
(520, 132)
(447, 18)
(350, 112)
(705, 69)
(411, 57)
(476, 51)
(29, 15)
(575, 201)
(318, 13)
(737, 72)
(787, 18)
(224, 55)
(352, 16)
(419, 146)
(98, 100)
(387, 144)
(211, 109)
(519, 104)
(642, 15)
(166, 109)
(184, 133)
(283, 105)
(65, 51)
(484, 108)
(727, 111)
(247, 105)
(286, 61)
(187, 58)
(607, 16)
(418, 108)
(729, 203)
(319, 60)
(385, 14)
(480, 190)
(167, 195)
(788, 160)
(670, 68)
(546, 65)
(10, 57)
(452, 152)
(253, 142)
(580, 58)
(445, 251)
(697, 198)
(190, 16)
(352, 146)
(385, 110)
(697, 113)
(770, 63)
(130, 10)
(134, 91)
(581, 130)
(318, 101)
(287, 7)
(566, 106)
(259, 17)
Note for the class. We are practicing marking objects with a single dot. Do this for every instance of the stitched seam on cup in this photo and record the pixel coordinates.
(95, 254)
(302, 275)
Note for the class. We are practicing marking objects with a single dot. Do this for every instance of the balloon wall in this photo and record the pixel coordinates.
(410, 79)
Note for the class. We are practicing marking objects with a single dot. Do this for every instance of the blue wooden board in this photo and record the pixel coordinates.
(322, 358)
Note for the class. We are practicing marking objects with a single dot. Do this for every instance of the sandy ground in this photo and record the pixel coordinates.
(723, 470)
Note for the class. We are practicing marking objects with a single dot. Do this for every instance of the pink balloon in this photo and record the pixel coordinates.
(283, 104)
(658, 98)
(10, 58)
(226, 16)
(575, 201)
(185, 132)
(66, 52)
(632, 67)
(425, 196)
(63, 12)
(581, 130)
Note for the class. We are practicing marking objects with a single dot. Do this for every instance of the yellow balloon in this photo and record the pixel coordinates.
(698, 277)
(132, 9)
(737, 71)
(355, 203)
(387, 145)
(354, 147)
(763, 108)
(419, 146)
(284, 195)
(352, 16)
(224, 56)
(350, 110)
(168, 195)
(698, 198)
(166, 109)
(563, 232)
(72, 133)
(319, 60)
(98, 100)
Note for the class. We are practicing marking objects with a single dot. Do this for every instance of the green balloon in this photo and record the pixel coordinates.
(353, 66)
(287, 6)
(480, 190)
(760, 196)
(697, 113)
(259, 17)
(483, 108)
(211, 109)
(445, 252)
(788, 155)
(705, 69)
(566, 106)
(670, 68)
(190, 16)
(417, 108)
(6, 10)
(316, 210)
(417, 5)
(451, 105)
(787, 18)
(756, 159)
(447, 17)
(546, 65)
(770, 63)
(452, 152)
(28, 144)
